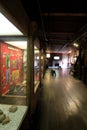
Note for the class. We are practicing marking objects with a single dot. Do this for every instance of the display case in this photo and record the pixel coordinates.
(12, 84)
(12, 70)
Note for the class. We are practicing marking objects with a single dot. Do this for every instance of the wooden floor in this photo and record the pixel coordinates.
(62, 104)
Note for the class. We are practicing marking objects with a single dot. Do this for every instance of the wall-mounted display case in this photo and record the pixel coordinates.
(11, 67)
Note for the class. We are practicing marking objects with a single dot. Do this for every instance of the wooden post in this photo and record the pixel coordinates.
(85, 66)
(30, 67)
(80, 67)
(30, 70)
(0, 72)
(40, 66)
(44, 64)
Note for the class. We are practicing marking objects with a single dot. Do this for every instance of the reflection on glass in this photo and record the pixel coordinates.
(36, 66)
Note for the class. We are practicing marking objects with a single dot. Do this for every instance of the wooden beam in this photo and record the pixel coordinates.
(59, 33)
(65, 14)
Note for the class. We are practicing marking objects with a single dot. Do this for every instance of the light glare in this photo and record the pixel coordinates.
(7, 28)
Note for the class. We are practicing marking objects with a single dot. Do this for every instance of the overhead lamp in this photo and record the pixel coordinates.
(75, 44)
(48, 55)
(36, 51)
(35, 47)
(37, 57)
(56, 57)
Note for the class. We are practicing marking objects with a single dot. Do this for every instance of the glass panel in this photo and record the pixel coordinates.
(36, 66)
(42, 64)
(13, 70)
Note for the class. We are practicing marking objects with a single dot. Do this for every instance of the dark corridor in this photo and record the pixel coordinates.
(62, 103)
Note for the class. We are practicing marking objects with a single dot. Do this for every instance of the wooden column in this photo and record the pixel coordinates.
(30, 66)
(40, 66)
(85, 66)
(0, 72)
(44, 64)
(80, 67)
(30, 70)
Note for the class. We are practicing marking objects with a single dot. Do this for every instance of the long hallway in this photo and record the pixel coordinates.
(62, 103)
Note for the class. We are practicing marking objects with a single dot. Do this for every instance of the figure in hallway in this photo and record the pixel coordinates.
(53, 73)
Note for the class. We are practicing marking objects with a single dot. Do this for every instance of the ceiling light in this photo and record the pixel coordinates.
(35, 47)
(36, 51)
(75, 44)
(48, 55)
(56, 57)
(37, 57)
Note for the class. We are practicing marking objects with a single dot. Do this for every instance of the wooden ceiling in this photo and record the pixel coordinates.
(62, 21)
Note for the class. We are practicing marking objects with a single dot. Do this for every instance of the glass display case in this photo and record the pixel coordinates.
(12, 70)
(13, 106)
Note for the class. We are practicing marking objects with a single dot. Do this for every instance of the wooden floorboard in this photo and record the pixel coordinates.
(62, 103)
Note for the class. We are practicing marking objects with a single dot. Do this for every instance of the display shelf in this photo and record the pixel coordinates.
(16, 118)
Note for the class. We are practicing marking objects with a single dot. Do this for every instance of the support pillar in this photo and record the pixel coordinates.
(0, 73)
(30, 67)
(40, 66)
(80, 67)
(44, 64)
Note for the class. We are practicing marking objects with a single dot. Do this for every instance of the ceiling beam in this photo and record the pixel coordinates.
(59, 33)
(65, 14)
